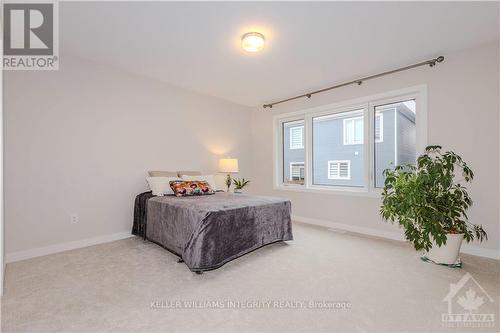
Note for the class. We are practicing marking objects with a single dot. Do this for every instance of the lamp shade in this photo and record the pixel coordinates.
(228, 165)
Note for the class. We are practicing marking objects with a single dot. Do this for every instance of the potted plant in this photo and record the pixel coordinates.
(429, 201)
(239, 184)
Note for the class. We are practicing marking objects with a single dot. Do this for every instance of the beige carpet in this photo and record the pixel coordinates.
(112, 287)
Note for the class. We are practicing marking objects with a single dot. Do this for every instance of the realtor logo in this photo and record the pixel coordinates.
(470, 297)
(30, 36)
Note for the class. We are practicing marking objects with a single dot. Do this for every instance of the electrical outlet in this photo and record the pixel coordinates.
(74, 219)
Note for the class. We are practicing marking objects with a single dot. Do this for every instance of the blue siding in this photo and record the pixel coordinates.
(386, 155)
(328, 142)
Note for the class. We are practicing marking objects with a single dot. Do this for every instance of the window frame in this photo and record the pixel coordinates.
(301, 127)
(368, 104)
(339, 177)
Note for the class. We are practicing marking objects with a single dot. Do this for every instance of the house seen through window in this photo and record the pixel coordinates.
(337, 149)
(338, 145)
(399, 145)
(293, 152)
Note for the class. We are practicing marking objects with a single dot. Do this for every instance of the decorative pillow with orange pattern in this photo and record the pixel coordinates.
(187, 188)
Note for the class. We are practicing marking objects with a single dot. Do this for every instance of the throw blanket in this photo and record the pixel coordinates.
(140, 211)
(210, 230)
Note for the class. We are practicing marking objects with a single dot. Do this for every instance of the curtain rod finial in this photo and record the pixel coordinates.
(433, 62)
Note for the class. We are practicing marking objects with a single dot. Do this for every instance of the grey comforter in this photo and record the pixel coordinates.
(208, 231)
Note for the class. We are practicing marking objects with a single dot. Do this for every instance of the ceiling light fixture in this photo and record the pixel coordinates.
(252, 42)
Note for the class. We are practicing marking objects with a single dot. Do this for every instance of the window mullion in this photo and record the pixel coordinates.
(368, 145)
(309, 152)
(278, 152)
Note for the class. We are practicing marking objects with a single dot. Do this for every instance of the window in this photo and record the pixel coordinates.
(297, 172)
(293, 157)
(329, 149)
(379, 127)
(297, 137)
(353, 131)
(347, 146)
(339, 169)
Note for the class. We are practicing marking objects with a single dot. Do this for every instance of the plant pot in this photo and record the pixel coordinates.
(238, 191)
(446, 254)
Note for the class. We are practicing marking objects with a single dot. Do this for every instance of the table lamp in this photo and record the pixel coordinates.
(228, 165)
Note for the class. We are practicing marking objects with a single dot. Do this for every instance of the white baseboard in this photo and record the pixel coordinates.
(466, 248)
(42, 251)
(347, 227)
(480, 251)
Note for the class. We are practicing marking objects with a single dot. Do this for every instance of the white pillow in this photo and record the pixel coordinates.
(161, 185)
(207, 178)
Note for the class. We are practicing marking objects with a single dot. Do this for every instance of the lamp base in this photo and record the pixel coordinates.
(228, 182)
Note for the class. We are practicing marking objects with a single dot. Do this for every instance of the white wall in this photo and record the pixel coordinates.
(498, 19)
(80, 140)
(463, 104)
(2, 251)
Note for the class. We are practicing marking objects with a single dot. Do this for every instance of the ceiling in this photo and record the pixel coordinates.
(308, 45)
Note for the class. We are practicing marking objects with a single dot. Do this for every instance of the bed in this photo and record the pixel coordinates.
(210, 230)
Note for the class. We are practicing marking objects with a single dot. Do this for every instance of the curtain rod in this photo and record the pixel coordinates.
(431, 63)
